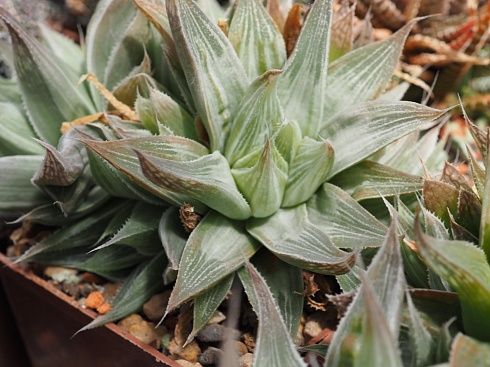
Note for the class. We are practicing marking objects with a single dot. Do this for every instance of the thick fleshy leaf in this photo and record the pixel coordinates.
(287, 139)
(439, 198)
(368, 179)
(138, 82)
(256, 39)
(303, 83)
(10, 92)
(207, 179)
(17, 193)
(469, 211)
(422, 344)
(161, 108)
(216, 248)
(274, 345)
(363, 129)
(121, 155)
(16, 134)
(294, 239)
(451, 175)
(144, 281)
(173, 238)
(60, 101)
(467, 351)
(362, 74)
(342, 31)
(115, 43)
(344, 220)
(478, 175)
(308, 170)
(285, 282)
(485, 214)
(140, 230)
(212, 9)
(465, 268)
(206, 304)
(369, 329)
(126, 129)
(210, 64)
(256, 116)
(479, 135)
(264, 182)
(83, 233)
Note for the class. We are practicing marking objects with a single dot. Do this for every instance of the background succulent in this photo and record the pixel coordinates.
(275, 148)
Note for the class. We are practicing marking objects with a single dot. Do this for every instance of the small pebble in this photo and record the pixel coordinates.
(155, 308)
(142, 330)
(59, 273)
(110, 290)
(191, 352)
(71, 289)
(217, 317)
(211, 356)
(104, 308)
(246, 360)
(314, 325)
(86, 289)
(249, 340)
(90, 278)
(240, 348)
(216, 333)
(94, 300)
(185, 363)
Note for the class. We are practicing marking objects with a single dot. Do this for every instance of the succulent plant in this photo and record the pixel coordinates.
(265, 158)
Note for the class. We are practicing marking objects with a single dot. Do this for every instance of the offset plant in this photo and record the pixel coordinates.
(189, 120)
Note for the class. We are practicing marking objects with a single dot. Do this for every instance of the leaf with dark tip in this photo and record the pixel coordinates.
(365, 128)
(140, 230)
(274, 345)
(130, 87)
(256, 39)
(173, 238)
(206, 304)
(17, 193)
(210, 64)
(60, 99)
(469, 211)
(460, 233)
(343, 219)
(478, 174)
(368, 180)
(303, 84)
(144, 281)
(451, 175)
(362, 74)
(465, 268)
(294, 239)
(207, 179)
(470, 352)
(217, 247)
(439, 197)
(127, 129)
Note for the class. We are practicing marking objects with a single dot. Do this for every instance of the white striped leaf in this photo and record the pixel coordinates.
(274, 345)
(216, 248)
(256, 39)
(362, 74)
(303, 83)
(60, 99)
(308, 170)
(294, 239)
(363, 129)
(343, 219)
(207, 179)
(210, 65)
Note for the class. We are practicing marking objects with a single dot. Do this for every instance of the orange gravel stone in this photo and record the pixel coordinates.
(104, 308)
(94, 300)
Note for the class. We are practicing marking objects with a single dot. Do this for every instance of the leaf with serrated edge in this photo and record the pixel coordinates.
(144, 281)
(381, 298)
(17, 193)
(467, 351)
(60, 100)
(207, 179)
(343, 219)
(206, 304)
(439, 197)
(363, 129)
(308, 170)
(465, 268)
(294, 239)
(216, 248)
(422, 344)
(362, 74)
(303, 83)
(210, 64)
(274, 345)
(485, 213)
(255, 117)
(256, 39)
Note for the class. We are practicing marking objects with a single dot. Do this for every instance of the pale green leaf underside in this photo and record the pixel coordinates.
(343, 219)
(294, 239)
(216, 248)
(274, 346)
(363, 129)
(469, 352)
